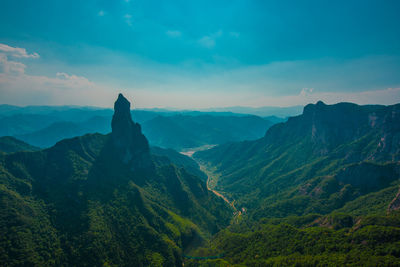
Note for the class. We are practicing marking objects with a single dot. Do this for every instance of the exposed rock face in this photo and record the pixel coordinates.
(127, 138)
(395, 204)
(329, 126)
(332, 125)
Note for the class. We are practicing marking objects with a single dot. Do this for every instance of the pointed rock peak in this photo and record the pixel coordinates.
(122, 105)
(126, 135)
(120, 95)
(122, 121)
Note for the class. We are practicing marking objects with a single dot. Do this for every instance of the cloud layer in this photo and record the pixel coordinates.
(16, 52)
(17, 87)
(283, 83)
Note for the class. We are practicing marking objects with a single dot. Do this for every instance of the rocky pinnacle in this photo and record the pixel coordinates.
(131, 145)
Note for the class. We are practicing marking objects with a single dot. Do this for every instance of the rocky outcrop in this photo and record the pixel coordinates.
(326, 127)
(130, 144)
(395, 204)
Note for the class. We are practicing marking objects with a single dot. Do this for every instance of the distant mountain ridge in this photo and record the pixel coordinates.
(183, 131)
(262, 111)
(45, 126)
(235, 110)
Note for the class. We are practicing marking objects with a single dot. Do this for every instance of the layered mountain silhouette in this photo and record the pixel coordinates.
(102, 200)
(45, 126)
(184, 131)
(173, 131)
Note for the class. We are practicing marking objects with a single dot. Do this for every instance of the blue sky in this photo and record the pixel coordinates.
(199, 54)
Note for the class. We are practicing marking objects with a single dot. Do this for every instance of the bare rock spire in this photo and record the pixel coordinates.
(131, 145)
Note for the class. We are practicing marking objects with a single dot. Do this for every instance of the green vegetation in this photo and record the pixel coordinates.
(76, 204)
(345, 240)
(180, 160)
(321, 189)
(314, 163)
(317, 190)
(9, 144)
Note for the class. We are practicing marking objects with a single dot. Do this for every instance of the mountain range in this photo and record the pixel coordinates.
(44, 126)
(314, 162)
(263, 111)
(318, 189)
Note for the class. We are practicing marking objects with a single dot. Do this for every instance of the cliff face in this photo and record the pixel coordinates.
(328, 126)
(130, 144)
(340, 151)
(395, 204)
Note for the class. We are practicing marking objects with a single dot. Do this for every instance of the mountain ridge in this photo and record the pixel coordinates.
(44, 130)
(318, 143)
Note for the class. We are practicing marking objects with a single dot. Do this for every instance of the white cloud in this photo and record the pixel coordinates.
(17, 87)
(11, 67)
(128, 19)
(61, 81)
(16, 52)
(209, 41)
(62, 89)
(173, 34)
(101, 13)
(74, 80)
(155, 85)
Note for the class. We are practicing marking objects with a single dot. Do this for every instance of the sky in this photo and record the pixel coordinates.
(190, 54)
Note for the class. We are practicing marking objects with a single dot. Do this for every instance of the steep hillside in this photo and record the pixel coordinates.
(101, 200)
(316, 162)
(180, 160)
(9, 144)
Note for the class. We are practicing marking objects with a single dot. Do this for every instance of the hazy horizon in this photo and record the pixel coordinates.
(151, 108)
(199, 55)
